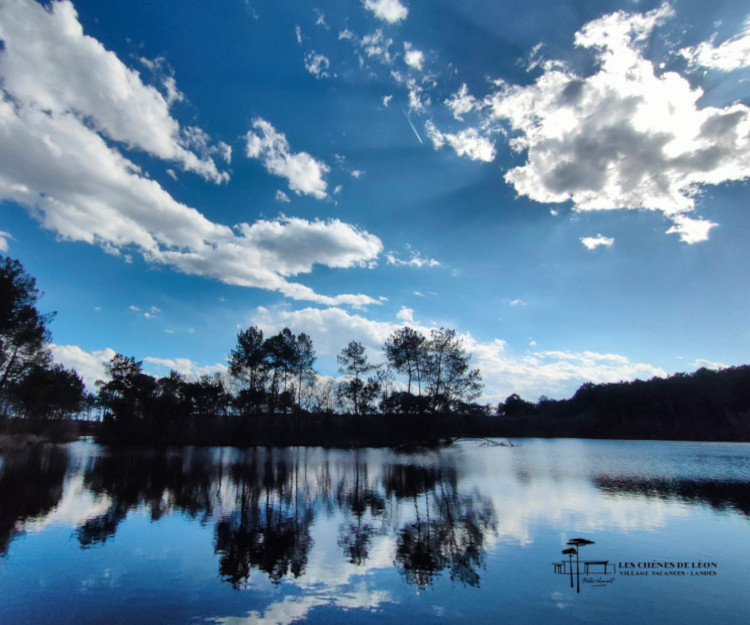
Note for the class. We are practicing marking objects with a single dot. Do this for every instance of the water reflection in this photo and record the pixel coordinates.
(448, 531)
(720, 495)
(31, 484)
(302, 531)
(263, 503)
(362, 505)
(158, 481)
(269, 527)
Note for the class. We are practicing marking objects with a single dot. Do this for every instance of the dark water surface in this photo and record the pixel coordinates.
(474, 533)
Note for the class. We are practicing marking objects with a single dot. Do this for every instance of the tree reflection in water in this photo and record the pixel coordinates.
(31, 484)
(720, 495)
(449, 529)
(263, 504)
(157, 480)
(360, 500)
(270, 527)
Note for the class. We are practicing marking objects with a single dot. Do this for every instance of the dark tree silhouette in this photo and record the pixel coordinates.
(353, 363)
(448, 370)
(449, 528)
(405, 350)
(304, 359)
(24, 335)
(128, 396)
(48, 393)
(358, 498)
(247, 363)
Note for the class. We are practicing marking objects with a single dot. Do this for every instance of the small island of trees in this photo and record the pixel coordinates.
(423, 393)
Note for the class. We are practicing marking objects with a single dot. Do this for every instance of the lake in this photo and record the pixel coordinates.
(475, 533)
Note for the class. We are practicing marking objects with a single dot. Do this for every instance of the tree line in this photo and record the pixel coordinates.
(424, 391)
(269, 386)
(704, 405)
(272, 393)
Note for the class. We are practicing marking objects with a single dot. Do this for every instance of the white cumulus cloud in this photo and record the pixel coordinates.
(625, 136)
(183, 366)
(591, 243)
(405, 314)
(462, 102)
(468, 142)
(64, 98)
(50, 66)
(305, 174)
(391, 11)
(85, 191)
(89, 365)
(413, 57)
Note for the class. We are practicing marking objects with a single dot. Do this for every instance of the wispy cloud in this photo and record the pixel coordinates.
(4, 236)
(415, 259)
(317, 64)
(709, 364)
(731, 54)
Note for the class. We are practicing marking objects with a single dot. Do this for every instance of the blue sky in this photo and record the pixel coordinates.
(564, 183)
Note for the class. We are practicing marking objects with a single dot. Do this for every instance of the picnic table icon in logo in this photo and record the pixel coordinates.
(590, 567)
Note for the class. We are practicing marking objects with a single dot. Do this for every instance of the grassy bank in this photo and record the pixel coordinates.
(19, 433)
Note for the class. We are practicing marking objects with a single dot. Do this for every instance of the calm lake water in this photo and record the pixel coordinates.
(474, 533)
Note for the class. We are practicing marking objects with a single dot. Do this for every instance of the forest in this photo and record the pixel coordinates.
(424, 393)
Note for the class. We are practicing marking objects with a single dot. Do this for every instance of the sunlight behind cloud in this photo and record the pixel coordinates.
(729, 55)
(625, 136)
